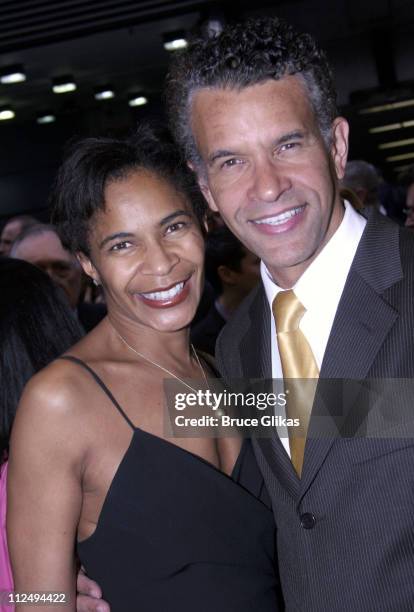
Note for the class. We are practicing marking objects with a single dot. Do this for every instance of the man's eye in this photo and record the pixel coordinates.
(120, 246)
(229, 163)
(289, 146)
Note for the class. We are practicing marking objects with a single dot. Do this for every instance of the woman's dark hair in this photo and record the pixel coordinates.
(91, 164)
(36, 326)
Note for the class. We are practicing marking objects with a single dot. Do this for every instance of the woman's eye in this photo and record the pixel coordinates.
(175, 227)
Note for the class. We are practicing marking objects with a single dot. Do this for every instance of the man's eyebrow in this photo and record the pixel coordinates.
(295, 135)
(172, 216)
(116, 236)
(218, 154)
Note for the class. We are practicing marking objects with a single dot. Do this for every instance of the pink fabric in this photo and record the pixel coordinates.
(6, 580)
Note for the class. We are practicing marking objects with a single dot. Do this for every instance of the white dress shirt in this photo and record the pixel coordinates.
(319, 289)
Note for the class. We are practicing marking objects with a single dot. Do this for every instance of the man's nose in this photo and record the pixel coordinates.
(159, 259)
(269, 181)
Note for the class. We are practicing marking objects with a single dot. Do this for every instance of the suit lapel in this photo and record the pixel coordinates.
(363, 321)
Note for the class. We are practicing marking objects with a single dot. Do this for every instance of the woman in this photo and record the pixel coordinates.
(158, 523)
(36, 326)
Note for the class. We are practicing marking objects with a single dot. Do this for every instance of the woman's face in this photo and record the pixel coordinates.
(147, 251)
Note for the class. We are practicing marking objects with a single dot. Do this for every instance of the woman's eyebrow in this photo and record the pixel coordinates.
(172, 216)
(115, 236)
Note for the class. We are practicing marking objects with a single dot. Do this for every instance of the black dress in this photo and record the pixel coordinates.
(177, 535)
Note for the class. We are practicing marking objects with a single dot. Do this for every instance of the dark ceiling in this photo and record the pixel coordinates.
(370, 44)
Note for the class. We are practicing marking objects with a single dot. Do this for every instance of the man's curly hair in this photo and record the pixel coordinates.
(246, 54)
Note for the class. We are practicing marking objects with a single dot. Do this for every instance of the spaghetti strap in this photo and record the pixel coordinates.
(101, 384)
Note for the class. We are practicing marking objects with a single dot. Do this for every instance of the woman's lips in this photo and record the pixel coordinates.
(168, 297)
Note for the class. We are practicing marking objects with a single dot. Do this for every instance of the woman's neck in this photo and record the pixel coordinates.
(162, 346)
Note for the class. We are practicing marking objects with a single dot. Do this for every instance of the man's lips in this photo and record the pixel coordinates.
(281, 222)
(166, 297)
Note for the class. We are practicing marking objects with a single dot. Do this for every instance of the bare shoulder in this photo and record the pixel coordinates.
(53, 410)
(54, 389)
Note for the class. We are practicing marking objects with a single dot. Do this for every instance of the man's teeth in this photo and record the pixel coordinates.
(165, 295)
(282, 218)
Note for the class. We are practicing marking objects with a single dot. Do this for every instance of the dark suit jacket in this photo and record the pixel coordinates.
(346, 528)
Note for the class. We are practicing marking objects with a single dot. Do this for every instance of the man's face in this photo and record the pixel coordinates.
(45, 251)
(9, 234)
(268, 172)
(409, 222)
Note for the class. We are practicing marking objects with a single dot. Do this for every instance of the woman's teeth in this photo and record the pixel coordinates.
(164, 295)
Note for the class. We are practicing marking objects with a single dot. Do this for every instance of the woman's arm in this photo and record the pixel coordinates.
(44, 491)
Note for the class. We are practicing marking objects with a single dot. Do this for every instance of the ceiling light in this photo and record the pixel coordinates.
(104, 93)
(6, 113)
(137, 100)
(392, 126)
(401, 157)
(385, 128)
(63, 85)
(12, 74)
(175, 40)
(45, 117)
(396, 143)
(402, 168)
(387, 107)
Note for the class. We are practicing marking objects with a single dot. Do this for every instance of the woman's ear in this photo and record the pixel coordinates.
(88, 267)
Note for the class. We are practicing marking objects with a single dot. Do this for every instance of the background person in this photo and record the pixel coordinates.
(407, 181)
(12, 229)
(40, 245)
(36, 326)
(233, 272)
(362, 178)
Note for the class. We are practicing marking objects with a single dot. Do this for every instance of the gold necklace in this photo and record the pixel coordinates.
(162, 367)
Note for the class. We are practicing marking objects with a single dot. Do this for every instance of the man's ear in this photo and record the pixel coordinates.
(88, 267)
(203, 184)
(339, 148)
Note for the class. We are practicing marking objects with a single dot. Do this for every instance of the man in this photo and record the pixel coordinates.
(40, 245)
(233, 272)
(12, 229)
(255, 112)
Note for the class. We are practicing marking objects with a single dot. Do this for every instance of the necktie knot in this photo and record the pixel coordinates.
(288, 311)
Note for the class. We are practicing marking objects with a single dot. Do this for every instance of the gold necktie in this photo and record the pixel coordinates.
(299, 362)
